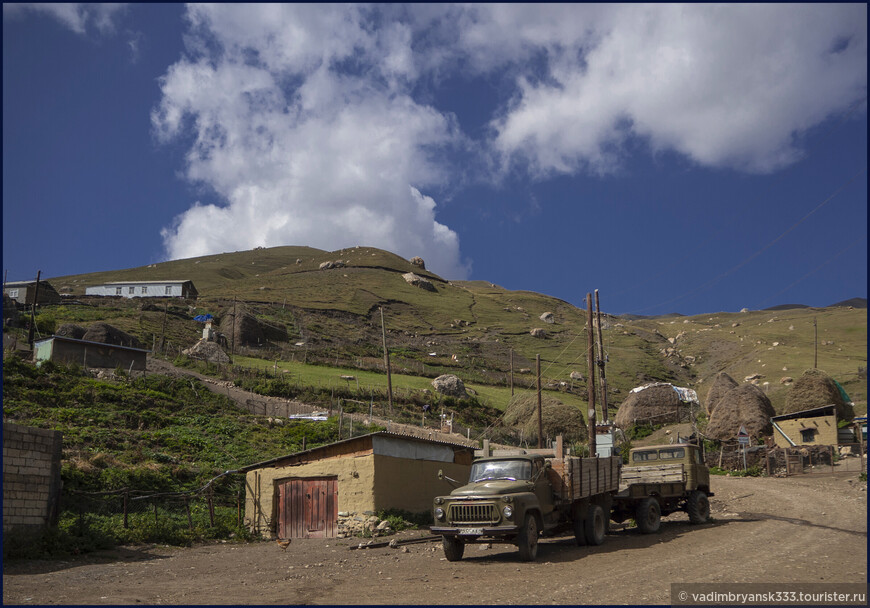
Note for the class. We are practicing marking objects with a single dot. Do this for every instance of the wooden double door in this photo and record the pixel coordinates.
(308, 508)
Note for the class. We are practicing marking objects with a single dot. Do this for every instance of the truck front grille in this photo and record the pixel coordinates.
(480, 513)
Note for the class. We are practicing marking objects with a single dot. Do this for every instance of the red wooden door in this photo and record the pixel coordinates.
(308, 508)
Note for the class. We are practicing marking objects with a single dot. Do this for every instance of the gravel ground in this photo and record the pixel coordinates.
(810, 528)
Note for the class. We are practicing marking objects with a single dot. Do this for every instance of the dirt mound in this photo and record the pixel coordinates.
(815, 389)
(71, 330)
(107, 334)
(745, 405)
(207, 351)
(654, 403)
(556, 417)
(721, 385)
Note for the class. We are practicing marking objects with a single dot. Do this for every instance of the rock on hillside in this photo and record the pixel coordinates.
(450, 385)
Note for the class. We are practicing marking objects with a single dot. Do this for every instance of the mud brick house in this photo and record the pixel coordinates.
(145, 289)
(817, 426)
(24, 292)
(331, 490)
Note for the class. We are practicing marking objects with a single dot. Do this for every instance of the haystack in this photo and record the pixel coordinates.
(71, 330)
(250, 331)
(107, 334)
(721, 385)
(816, 389)
(207, 351)
(655, 403)
(745, 405)
(557, 418)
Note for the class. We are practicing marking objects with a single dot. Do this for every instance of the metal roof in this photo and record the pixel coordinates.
(265, 463)
(75, 341)
(163, 282)
(805, 413)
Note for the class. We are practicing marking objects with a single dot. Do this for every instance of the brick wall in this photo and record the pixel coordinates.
(31, 476)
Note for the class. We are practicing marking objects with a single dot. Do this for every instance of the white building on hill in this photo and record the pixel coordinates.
(145, 289)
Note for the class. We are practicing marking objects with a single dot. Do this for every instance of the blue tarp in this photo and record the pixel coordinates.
(203, 318)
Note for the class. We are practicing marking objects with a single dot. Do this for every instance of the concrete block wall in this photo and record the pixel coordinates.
(31, 476)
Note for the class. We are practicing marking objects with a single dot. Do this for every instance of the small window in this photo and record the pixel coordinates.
(169, 290)
(131, 290)
(645, 456)
(13, 293)
(672, 453)
(144, 290)
(808, 435)
(117, 291)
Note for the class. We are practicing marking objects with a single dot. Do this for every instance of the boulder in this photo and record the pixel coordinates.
(548, 317)
(418, 262)
(576, 376)
(450, 385)
(418, 281)
(538, 333)
(207, 351)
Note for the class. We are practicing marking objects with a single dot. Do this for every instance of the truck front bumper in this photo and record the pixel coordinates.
(471, 532)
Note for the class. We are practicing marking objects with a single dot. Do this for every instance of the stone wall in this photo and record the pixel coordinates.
(31, 476)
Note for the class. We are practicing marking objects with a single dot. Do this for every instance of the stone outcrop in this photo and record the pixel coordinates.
(450, 385)
(418, 281)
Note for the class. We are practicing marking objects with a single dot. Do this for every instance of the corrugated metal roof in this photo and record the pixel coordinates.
(75, 341)
(163, 282)
(805, 413)
(271, 461)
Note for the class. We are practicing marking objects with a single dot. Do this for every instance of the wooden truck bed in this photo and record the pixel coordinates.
(670, 477)
(573, 478)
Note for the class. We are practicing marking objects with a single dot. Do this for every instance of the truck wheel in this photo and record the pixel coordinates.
(527, 539)
(596, 525)
(648, 516)
(698, 507)
(453, 548)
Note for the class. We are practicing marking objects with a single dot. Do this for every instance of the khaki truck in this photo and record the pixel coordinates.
(514, 498)
(660, 480)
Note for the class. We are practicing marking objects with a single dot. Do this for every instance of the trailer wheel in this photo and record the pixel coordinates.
(453, 548)
(596, 525)
(698, 507)
(527, 539)
(648, 516)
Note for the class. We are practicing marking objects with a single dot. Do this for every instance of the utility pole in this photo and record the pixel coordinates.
(815, 344)
(387, 361)
(33, 310)
(512, 372)
(590, 346)
(233, 346)
(540, 420)
(601, 361)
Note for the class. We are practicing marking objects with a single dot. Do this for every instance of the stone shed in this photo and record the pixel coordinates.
(330, 491)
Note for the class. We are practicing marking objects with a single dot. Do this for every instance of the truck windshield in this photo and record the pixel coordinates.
(501, 469)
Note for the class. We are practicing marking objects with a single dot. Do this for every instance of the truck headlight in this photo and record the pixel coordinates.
(439, 513)
(508, 511)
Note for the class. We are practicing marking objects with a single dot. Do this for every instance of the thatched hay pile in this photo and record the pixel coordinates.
(815, 389)
(207, 351)
(721, 385)
(107, 334)
(71, 330)
(745, 405)
(557, 418)
(656, 404)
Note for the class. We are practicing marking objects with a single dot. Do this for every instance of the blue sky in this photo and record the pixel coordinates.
(687, 159)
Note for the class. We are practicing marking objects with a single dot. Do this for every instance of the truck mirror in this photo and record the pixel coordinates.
(440, 474)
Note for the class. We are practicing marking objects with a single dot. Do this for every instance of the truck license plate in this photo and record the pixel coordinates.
(471, 531)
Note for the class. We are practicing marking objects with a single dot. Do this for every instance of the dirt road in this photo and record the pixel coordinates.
(811, 528)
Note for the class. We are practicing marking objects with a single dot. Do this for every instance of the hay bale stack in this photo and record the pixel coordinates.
(71, 330)
(721, 385)
(745, 405)
(107, 334)
(654, 403)
(816, 389)
(557, 418)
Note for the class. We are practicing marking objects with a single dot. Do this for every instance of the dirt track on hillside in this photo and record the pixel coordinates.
(810, 528)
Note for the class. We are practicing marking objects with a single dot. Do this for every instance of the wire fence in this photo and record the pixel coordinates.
(130, 515)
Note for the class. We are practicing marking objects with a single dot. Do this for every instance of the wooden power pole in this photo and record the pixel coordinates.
(540, 417)
(590, 359)
(815, 344)
(601, 361)
(33, 310)
(387, 361)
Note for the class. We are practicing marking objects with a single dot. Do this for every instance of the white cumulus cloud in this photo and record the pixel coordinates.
(303, 127)
(76, 16)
